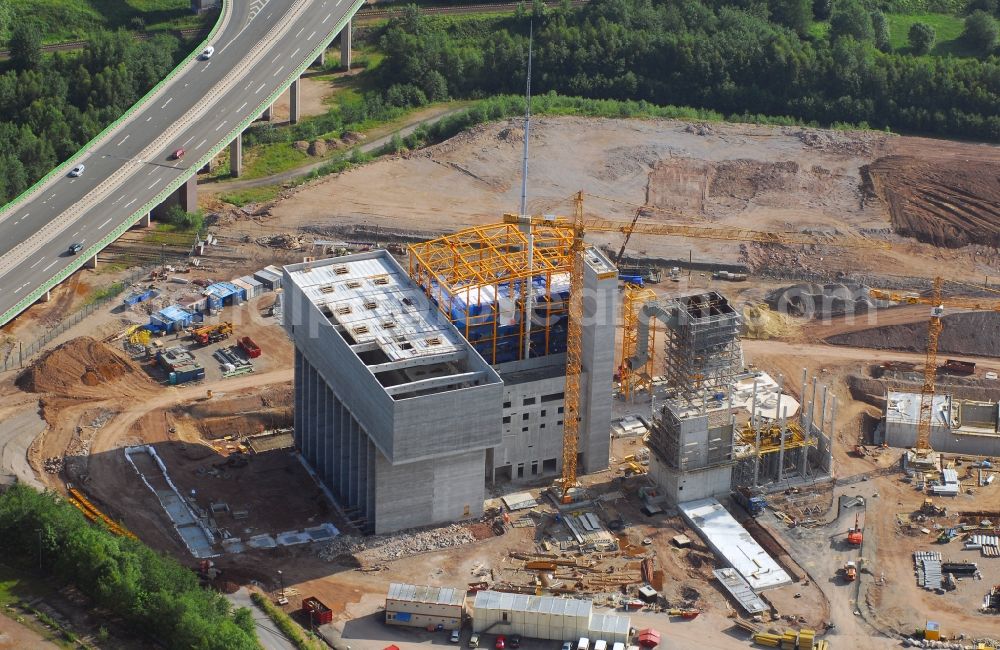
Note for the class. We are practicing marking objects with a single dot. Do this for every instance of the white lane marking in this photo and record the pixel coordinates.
(72, 181)
(338, 3)
(104, 224)
(149, 118)
(124, 139)
(48, 267)
(221, 125)
(185, 143)
(36, 263)
(151, 171)
(198, 146)
(241, 107)
(248, 86)
(75, 234)
(275, 58)
(259, 89)
(83, 241)
(326, 19)
(166, 102)
(21, 287)
(299, 32)
(118, 199)
(155, 183)
(311, 36)
(297, 50)
(206, 66)
(277, 71)
(130, 202)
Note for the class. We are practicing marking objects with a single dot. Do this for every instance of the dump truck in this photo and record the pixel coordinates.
(212, 333)
(755, 504)
(850, 571)
(251, 348)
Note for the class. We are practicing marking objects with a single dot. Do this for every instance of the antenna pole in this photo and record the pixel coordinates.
(529, 307)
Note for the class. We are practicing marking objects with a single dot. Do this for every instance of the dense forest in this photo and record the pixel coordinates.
(733, 57)
(50, 106)
(152, 595)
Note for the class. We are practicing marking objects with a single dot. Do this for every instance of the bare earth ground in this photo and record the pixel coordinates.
(729, 175)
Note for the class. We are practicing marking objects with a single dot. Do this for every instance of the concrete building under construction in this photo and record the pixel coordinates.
(414, 389)
(719, 425)
(957, 426)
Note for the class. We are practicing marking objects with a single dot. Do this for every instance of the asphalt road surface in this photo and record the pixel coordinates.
(259, 45)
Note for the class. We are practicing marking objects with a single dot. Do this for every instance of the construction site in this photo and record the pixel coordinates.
(704, 400)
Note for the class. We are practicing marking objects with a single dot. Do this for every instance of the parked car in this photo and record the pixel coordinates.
(514, 641)
(567, 645)
(474, 641)
(77, 171)
(207, 53)
(501, 642)
(75, 248)
(455, 634)
(177, 155)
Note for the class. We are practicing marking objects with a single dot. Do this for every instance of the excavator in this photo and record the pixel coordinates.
(856, 535)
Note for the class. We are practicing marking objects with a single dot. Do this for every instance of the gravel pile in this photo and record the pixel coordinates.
(385, 548)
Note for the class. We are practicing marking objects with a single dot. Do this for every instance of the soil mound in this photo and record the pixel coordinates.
(813, 300)
(73, 367)
(949, 205)
(972, 333)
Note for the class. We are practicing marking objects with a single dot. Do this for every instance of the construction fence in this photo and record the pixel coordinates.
(14, 354)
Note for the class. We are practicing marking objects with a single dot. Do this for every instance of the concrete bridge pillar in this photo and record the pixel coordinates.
(320, 60)
(236, 156)
(144, 221)
(188, 195)
(293, 103)
(345, 46)
(268, 112)
(91, 263)
(47, 296)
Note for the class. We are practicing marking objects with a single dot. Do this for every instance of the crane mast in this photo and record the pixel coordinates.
(574, 345)
(934, 325)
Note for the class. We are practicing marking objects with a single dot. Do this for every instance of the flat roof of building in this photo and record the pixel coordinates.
(375, 302)
(423, 594)
(733, 543)
(502, 600)
(961, 416)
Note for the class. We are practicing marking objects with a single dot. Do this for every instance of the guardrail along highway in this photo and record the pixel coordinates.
(260, 49)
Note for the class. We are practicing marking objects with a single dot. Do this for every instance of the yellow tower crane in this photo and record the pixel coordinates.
(934, 326)
(574, 333)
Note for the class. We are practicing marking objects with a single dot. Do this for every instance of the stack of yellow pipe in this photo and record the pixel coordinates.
(791, 640)
(807, 639)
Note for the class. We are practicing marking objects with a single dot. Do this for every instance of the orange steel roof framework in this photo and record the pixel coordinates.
(487, 256)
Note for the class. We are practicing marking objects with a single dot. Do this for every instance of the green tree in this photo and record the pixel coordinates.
(989, 6)
(25, 45)
(794, 14)
(849, 18)
(881, 28)
(822, 9)
(921, 37)
(184, 220)
(980, 32)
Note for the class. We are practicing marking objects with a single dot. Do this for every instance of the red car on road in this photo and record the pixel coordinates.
(178, 154)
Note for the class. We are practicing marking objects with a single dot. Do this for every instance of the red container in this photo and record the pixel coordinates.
(318, 613)
(251, 348)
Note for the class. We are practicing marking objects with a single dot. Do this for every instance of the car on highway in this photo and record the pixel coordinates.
(177, 155)
(77, 171)
(75, 248)
(207, 53)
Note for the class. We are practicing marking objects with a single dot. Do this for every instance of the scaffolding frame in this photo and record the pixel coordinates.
(457, 270)
(634, 380)
(703, 351)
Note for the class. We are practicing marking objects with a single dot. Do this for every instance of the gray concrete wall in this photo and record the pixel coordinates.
(679, 486)
(532, 429)
(428, 492)
(905, 436)
(598, 363)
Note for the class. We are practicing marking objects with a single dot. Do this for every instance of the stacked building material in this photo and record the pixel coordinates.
(928, 564)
